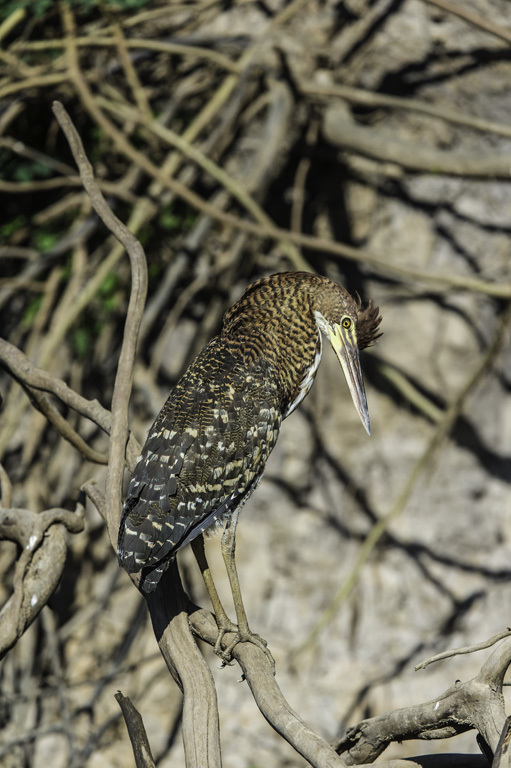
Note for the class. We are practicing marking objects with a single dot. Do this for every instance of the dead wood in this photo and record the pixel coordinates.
(137, 732)
(340, 130)
(39, 567)
(477, 703)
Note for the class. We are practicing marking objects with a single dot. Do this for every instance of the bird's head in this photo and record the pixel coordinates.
(350, 326)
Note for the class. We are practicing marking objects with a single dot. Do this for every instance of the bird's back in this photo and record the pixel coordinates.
(203, 456)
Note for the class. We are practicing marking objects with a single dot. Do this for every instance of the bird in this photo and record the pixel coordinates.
(207, 449)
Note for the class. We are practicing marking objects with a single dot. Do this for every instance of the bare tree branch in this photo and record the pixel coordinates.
(375, 99)
(33, 378)
(136, 731)
(383, 146)
(473, 18)
(477, 703)
(122, 387)
(42, 539)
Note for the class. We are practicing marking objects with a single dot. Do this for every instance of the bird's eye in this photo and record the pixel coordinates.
(346, 322)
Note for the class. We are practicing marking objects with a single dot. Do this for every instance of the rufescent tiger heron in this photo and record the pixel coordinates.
(207, 449)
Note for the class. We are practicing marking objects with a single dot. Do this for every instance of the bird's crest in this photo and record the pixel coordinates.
(369, 320)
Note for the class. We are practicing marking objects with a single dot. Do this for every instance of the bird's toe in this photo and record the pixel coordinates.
(246, 636)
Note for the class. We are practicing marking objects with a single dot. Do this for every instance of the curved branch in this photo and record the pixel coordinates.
(66, 431)
(32, 378)
(38, 569)
(465, 649)
(462, 707)
(169, 620)
(122, 388)
(28, 374)
(382, 145)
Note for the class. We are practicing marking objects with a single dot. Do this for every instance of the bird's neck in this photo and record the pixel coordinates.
(290, 342)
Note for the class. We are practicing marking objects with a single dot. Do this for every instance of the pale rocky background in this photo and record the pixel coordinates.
(439, 578)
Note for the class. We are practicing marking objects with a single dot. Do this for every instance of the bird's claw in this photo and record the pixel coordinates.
(224, 627)
(246, 636)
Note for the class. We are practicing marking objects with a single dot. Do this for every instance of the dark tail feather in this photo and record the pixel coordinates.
(151, 576)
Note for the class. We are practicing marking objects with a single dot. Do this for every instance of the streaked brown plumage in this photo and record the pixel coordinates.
(207, 449)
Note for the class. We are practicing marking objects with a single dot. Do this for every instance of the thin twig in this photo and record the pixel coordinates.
(28, 374)
(40, 185)
(40, 81)
(63, 427)
(132, 78)
(464, 649)
(134, 43)
(22, 149)
(12, 21)
(473, 18)
(409, 392)
(97, 497)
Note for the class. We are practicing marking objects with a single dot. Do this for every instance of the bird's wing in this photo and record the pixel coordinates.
(204, 454)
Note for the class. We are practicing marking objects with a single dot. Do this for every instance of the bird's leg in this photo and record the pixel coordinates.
(244, 633)
(223, 622)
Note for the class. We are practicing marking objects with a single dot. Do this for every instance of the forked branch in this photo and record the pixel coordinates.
(476, 704)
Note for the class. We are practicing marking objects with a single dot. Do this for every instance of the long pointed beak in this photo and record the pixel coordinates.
(345, 347)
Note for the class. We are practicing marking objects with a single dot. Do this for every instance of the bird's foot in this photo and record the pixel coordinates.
(242, 636)
(225, 626)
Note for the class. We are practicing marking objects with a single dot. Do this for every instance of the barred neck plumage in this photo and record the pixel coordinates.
(294, 357)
